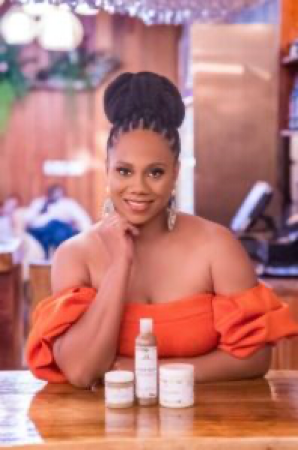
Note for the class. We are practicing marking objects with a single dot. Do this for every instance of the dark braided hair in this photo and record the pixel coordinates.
(144, 100)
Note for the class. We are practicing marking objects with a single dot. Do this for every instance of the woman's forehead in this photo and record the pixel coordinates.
(142, 145)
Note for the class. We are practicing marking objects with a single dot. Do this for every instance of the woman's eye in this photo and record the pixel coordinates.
(156, 173)
(123, 171)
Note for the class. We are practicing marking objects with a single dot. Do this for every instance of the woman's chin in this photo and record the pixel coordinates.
(137, 220)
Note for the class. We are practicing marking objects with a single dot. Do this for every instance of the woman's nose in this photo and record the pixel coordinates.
(139, 184)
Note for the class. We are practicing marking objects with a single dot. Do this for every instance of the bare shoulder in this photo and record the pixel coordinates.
(193, 228)
(230, 266)
(70, 261)
(197, 230)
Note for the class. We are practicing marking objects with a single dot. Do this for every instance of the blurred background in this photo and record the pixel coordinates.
(225, 56)
(236, 64)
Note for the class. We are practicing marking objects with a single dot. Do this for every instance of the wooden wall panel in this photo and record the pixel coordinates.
(11, 309)
(51, 125)
(288, 33)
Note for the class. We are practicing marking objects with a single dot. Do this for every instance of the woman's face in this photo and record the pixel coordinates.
(142, 171)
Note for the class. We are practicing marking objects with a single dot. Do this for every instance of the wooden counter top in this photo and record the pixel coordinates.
(250, 415)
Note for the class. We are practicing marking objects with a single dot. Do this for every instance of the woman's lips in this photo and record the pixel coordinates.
(138, 205)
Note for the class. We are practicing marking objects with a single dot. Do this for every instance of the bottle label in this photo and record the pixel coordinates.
(146, 372)
(119, 395)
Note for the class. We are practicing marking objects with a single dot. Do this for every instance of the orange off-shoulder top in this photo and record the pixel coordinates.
(238, 324)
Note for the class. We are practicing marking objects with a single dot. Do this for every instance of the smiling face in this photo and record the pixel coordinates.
(142, 171)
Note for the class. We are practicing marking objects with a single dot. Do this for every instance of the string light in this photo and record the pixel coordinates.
(164, 11)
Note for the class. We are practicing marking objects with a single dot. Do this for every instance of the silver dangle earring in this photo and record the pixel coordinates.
(108, 206)
(172, 212)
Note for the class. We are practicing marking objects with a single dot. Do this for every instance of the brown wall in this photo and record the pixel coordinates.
(50, 125)
(235, 71)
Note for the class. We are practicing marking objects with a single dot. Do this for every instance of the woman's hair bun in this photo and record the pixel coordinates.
(144, 94)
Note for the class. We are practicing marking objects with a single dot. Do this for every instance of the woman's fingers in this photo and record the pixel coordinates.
(115, 220)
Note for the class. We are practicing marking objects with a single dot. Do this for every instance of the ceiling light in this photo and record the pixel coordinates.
(60, 30)
(84, 9)
(36, 9)
(17, 28)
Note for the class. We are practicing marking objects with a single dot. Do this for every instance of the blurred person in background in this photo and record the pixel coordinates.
(13, 226)
(5, 224)
(54, 218)
(15, 213)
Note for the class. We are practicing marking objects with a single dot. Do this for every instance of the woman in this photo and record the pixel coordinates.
(145, 260)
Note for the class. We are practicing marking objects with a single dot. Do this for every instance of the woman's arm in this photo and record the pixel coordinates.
(220, 366)
(216, 365)
(232, 273)
(231, 269)
(88, 348)
(86, 351)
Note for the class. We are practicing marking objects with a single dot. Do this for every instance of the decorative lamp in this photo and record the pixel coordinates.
(36, 9)
(17, 28)
(60, 30)
(84, 9)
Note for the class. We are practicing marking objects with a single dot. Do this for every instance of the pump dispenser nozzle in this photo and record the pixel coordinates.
(146, 326)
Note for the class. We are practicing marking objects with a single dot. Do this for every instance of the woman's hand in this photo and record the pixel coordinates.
(118, 234)
(123, 363)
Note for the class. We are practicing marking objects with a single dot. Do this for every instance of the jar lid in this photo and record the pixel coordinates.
(119, 376)
(177, 370)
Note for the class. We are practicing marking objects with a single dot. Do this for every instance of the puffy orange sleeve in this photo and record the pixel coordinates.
(248, 321)
(52, 317)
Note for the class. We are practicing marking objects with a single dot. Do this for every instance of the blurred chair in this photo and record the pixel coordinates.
(39, 282)
(11, 306)
(252, 209)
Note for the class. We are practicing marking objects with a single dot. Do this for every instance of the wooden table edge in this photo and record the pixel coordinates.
(164, 443)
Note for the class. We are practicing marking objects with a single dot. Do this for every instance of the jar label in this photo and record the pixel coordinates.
(177, 393)
(119, 395)
(146, 372)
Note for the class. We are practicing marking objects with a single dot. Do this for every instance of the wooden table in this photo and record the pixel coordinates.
(11, 305)
(250, 415)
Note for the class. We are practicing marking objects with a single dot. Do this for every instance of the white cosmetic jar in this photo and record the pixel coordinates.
(119, 389)
(176, 385)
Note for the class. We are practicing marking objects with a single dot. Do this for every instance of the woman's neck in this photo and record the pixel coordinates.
(153, 230)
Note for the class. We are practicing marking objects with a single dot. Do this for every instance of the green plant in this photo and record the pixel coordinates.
(72, 71)
(13, 83)
(76, 70)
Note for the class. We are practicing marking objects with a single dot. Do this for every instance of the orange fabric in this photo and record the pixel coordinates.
(238, 324)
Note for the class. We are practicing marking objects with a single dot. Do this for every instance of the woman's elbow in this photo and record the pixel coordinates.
(82, 377)
(262, 361)
(80, 381)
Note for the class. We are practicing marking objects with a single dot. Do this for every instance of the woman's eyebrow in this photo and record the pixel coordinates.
(154, 164)
(123, 163)
(157, 164)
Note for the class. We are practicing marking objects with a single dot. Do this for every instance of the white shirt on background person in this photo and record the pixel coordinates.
(65, 209)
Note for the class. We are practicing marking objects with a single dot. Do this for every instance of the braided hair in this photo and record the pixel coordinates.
(144, 100)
